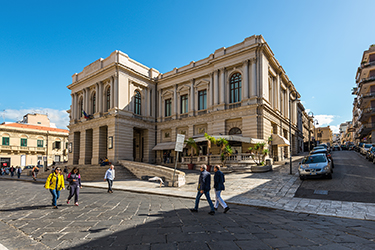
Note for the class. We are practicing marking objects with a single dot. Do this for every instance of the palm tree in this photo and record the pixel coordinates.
(258, 153)
(190, 143)
(210, 140)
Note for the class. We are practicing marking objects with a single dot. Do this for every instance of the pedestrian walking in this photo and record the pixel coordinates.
(219, 180)
(19, 171)
(11, 171)
(204, 187)
(66, 171)
(74, 179)
(34, 172)
(55, 182)
(109, 177)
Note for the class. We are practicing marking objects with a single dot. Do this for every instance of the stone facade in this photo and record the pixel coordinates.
(122, 109)
(30, 141)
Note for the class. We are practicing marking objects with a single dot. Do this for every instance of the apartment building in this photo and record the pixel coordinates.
(365, 100)
(324, 135)
(32, 141)
(122, 109)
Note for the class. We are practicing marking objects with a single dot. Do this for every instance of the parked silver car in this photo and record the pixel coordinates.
(315, 165)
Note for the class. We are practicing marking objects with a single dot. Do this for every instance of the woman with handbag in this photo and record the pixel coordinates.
(55, 182)
(74, 179)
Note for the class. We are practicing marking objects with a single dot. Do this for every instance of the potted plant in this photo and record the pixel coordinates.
(191, 144)
(210, 140)
(258, 153)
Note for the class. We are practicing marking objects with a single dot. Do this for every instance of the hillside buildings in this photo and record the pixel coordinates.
(32, 141)
(122, 109)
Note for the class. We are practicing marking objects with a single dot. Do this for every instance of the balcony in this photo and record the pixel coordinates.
(365, 99)
(363, 81)
(365, 129)
(234, 105)
(366, 113)
(19, 149)
(365, 65)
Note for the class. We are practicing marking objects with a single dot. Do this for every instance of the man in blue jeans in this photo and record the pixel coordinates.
(204, 187)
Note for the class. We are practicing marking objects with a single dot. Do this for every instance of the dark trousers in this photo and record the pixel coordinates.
(110, 183)
(18, 174)
(74, 191)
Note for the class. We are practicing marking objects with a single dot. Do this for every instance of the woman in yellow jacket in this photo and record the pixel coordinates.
(55, 182)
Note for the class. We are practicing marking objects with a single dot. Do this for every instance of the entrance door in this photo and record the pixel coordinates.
(23, 160)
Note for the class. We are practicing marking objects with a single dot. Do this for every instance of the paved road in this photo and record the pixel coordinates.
(353, 180)
(125, 220)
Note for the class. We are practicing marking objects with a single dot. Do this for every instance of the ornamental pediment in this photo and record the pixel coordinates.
(202, 83)
(183, 88)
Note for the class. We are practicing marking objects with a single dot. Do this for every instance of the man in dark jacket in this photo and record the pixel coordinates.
(204, 187)
(219, 180)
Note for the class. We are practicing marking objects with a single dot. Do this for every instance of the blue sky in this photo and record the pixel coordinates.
(43, 43)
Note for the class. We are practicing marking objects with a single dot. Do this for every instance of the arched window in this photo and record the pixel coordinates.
(137, 103)
(81, 107)
(235, 88)
(94, 103)
(108, 95)
(235, 131)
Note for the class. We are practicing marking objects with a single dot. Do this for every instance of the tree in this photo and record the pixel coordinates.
(226, 151)
(258, 153)
(223, 144)
(190, 143)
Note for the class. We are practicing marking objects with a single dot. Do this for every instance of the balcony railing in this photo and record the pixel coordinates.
(22, 149)
(234, 105)
(364, 65)
(368, 79)
(216, 159)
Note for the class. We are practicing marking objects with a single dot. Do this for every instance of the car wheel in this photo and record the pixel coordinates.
(329, 176)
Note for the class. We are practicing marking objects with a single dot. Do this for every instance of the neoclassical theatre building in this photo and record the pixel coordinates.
(123, 110)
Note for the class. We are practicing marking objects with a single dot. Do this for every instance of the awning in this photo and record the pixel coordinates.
(166, 146)
(279, 140)
(232, 138)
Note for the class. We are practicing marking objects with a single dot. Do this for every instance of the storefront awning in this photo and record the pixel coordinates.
(279, 140)
(166, 146)
(237, 138)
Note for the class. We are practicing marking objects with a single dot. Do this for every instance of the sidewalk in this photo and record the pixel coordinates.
(274, 189)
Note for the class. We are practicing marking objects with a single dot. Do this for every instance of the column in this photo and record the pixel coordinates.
(277, 95)
(209, 93)
(160, 104)
(222, 86)
(216, 87)
(115, 91)
(145, 103)
(97, 97)
(253, 82)
(75, 106)
(245, 80)
(112, 103)
(174, 113)
(95, 145)
(72, 108)
(191, 99)
(100, 97)
(82, 149)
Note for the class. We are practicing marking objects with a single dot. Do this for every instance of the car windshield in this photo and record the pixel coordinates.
(368, 146)
(314, 159)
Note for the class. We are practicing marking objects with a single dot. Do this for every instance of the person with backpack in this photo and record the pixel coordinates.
(74, 179)
(19, 171)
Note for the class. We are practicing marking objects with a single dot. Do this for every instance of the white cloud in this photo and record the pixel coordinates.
(58, 118)
(335, 129)
(324, 120)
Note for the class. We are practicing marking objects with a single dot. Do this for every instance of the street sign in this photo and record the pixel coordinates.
(179, 143)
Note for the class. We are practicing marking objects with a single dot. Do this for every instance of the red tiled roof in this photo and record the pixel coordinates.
(21, 125)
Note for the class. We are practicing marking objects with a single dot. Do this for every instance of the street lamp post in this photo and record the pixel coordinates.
(312, 116)
(315, 123)
(290, 132)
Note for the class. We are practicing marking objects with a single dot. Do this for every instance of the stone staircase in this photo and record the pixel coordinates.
(95, 172)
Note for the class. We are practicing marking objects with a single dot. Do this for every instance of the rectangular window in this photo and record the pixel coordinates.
(6, 141)
(57, 145)
(39, 143)
(184, 104)
(168, 107)
(23, 142)
(202, 99)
